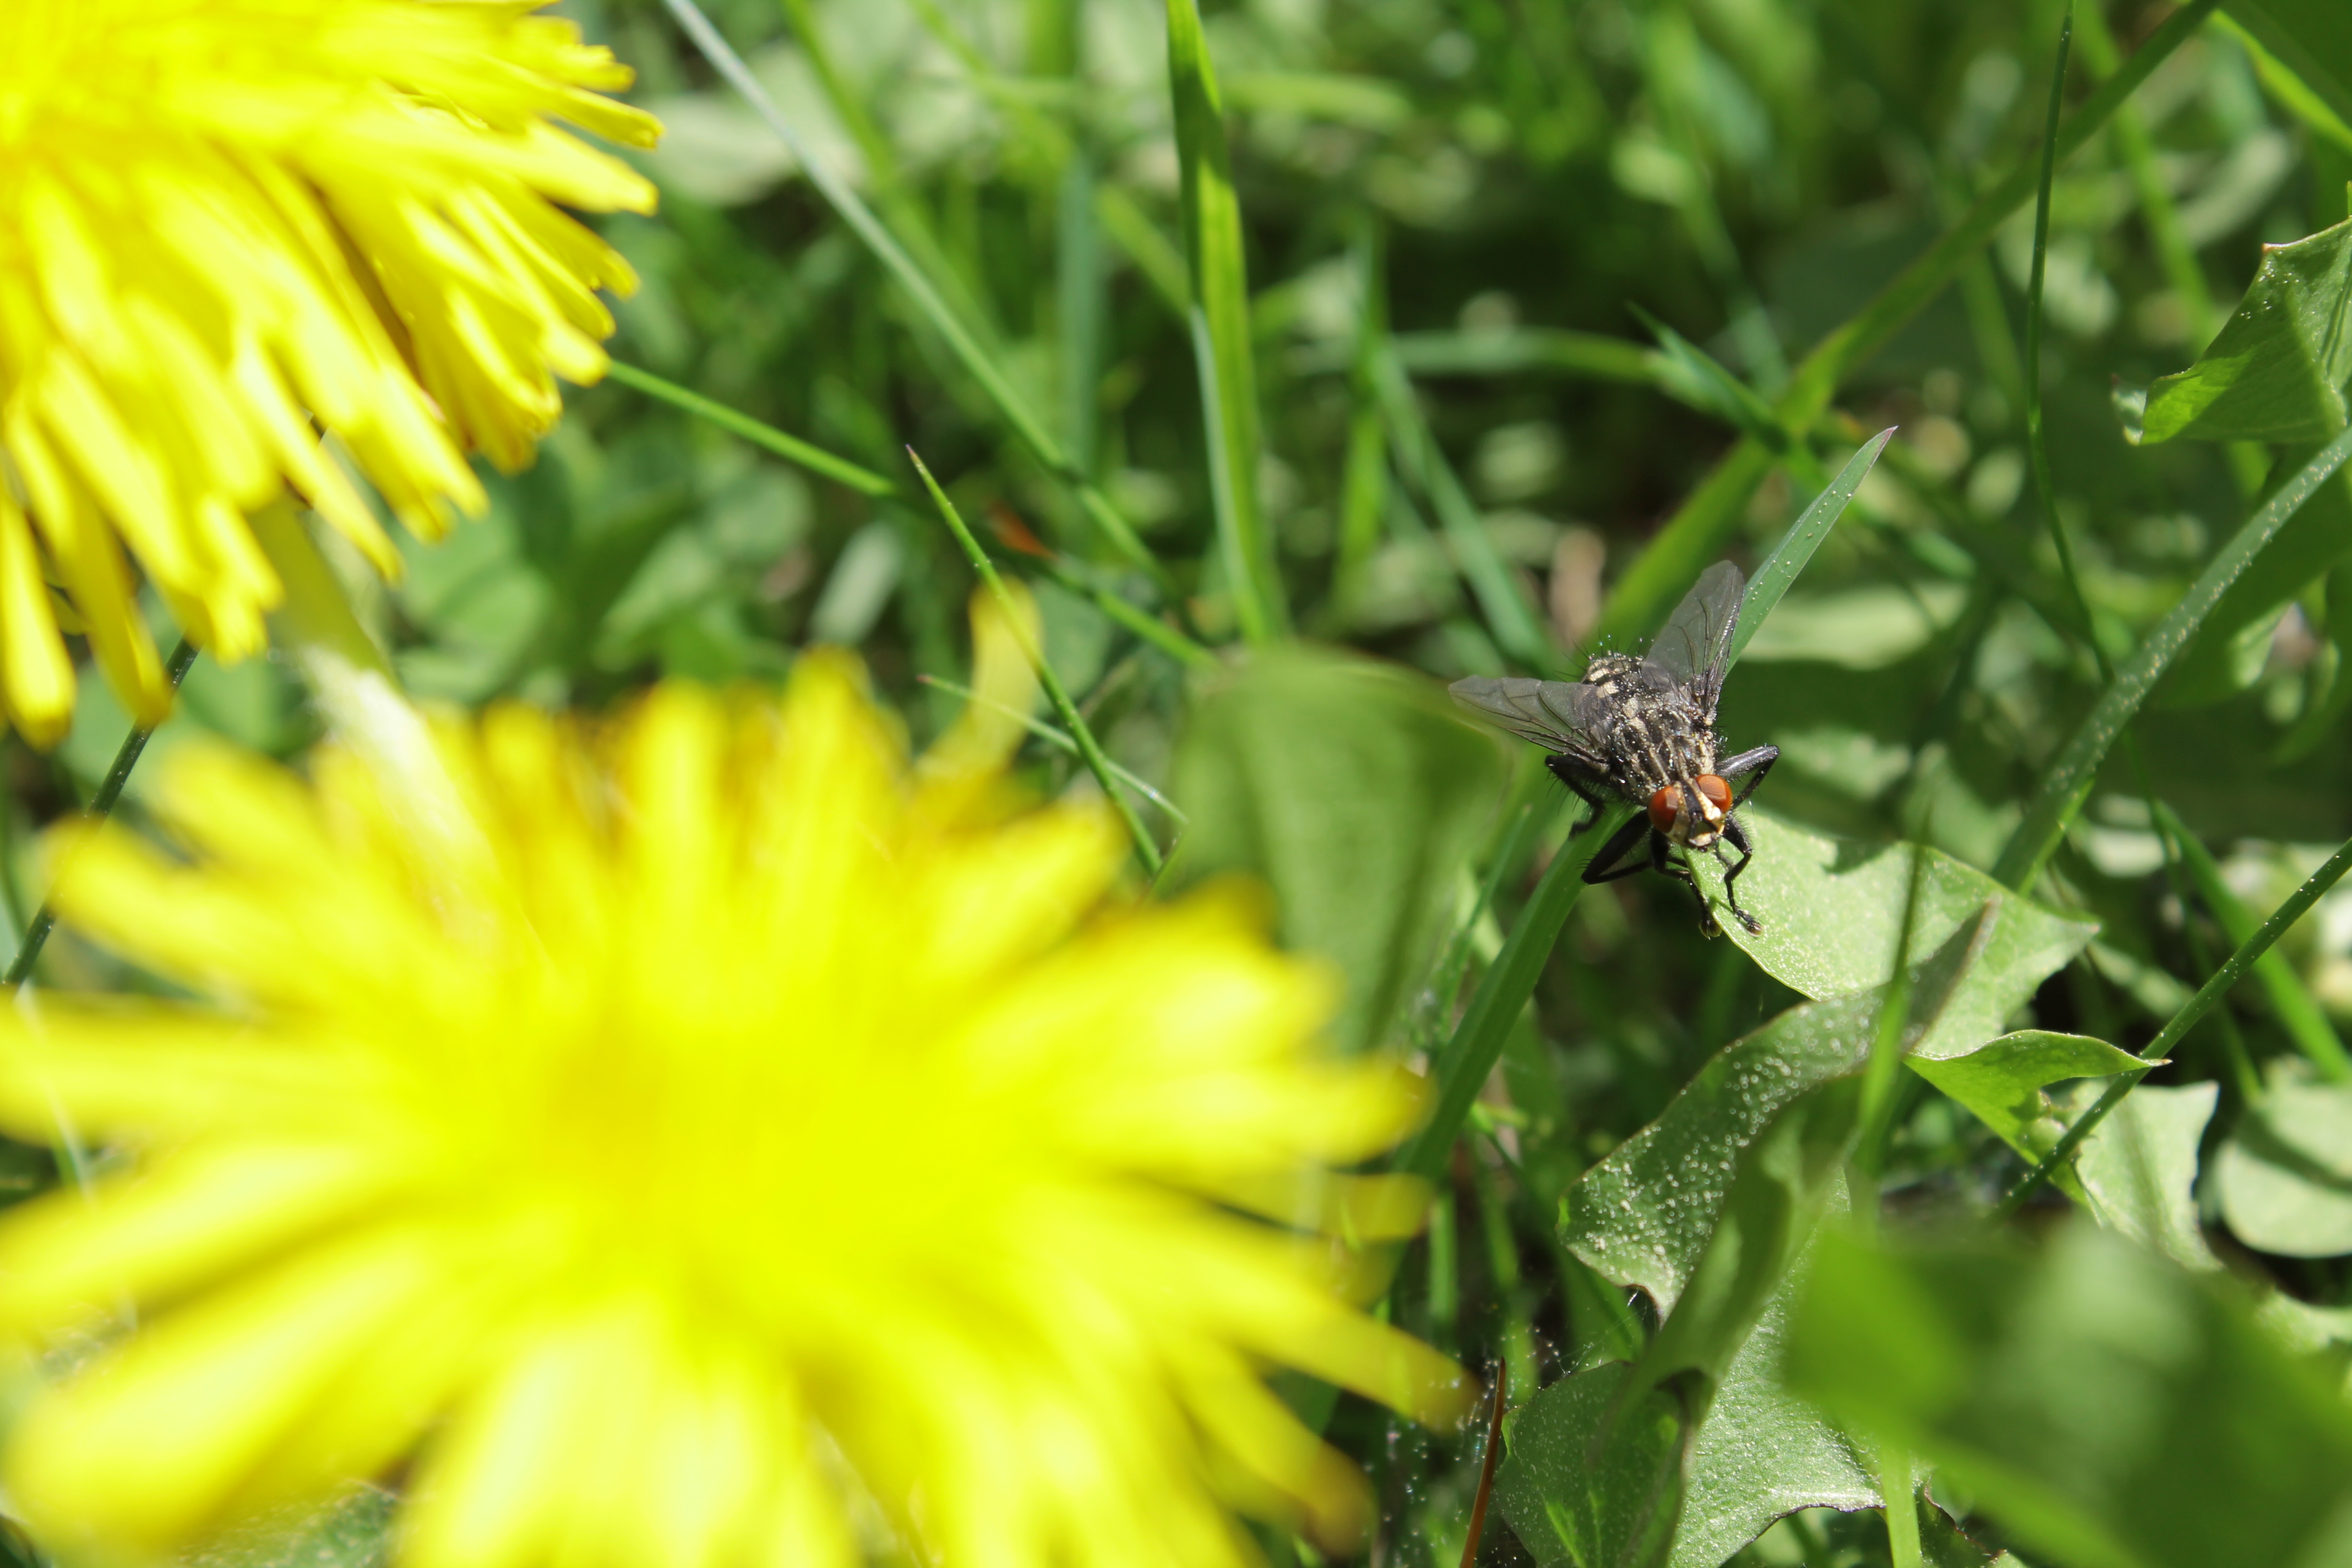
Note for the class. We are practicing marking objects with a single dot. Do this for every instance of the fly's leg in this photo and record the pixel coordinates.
(1758, 762)
(1599, 870)
(1738, 837)
(1566, 770)
(1666, 866)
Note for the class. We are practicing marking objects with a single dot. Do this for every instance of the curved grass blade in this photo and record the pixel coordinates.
(1223, 349)
(866, 482)
(1026, 423)
(766, 437)
(2195, 1008)
(1057, 739)
(1462, 1065)
(1500, 599)
(1804, 536)
(2066, 783)
(1145, 850)
(1698, 532)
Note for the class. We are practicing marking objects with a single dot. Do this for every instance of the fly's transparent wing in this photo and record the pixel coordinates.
(1555, 714)
(1697, 640)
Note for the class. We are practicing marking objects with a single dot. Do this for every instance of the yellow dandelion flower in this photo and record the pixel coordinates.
(687, 1140)
(227, 226)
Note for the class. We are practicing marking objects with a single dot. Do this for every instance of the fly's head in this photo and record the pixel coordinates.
(1692, 813)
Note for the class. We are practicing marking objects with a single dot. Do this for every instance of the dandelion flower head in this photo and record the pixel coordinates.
(227, 225)
(706, 1140)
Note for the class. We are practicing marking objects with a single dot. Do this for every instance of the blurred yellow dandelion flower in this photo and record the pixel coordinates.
(686, 1138)
(227, 226)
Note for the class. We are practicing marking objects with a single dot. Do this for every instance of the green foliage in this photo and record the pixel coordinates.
(1355, 795)
(2312, 37)
(1594, 1480)
(2105, 1407)
(1832, 911)
(1226, 318)
(2276, 372)
(1221, 328)
(2285, 1173)
(2002, 1080)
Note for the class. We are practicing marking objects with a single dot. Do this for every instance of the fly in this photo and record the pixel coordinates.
(1642, 731)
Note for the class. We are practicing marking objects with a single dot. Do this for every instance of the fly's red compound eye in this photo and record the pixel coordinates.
(1667, 808)
(1716, 792)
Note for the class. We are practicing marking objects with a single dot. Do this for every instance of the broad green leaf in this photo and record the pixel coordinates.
(1588, 1482)
(1832, 911)
(1642, 1217)
(2140, 1167)
(1762, 1454)
(354, 1530)
(2313, 38)
(1351, 789)
(1222, 347)
(2276, 371)
(2106, 1407)
(2285, 1173)
(2002, 1080)
(1944, 1544)
(1757, 1457)
(1784, 1180)
(2066, 782)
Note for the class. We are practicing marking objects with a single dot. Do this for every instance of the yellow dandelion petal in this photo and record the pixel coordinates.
(731, 1150)
(227, 226)
(36, 674)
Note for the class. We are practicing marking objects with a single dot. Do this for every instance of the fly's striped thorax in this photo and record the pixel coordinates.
(1656, 740)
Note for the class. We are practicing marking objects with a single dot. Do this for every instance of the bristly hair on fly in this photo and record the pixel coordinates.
(1643, 732)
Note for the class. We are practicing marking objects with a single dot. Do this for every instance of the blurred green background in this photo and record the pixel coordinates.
(1500, 255)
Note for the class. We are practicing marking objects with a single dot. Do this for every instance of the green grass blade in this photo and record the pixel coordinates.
(1510, 351)
(1223, 346)
(2066, 783)
(2195, 1007)
(1364, 484)
(1804, 536)
(1144, 625)
(1081, 304)
(1059, 739)
(1461, 1067)
(2037, 438)
(1703, 525)
(1145, 850)
(926, 295)
(767, 438)
(2293, 1004)
(1510, 616)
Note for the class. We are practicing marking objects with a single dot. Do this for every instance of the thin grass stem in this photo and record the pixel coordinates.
(101, 806)
(2037, 441)
(766, 437)
(1146, 851)
(1059, 739)
(2181, 1022)
(2066, 781)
